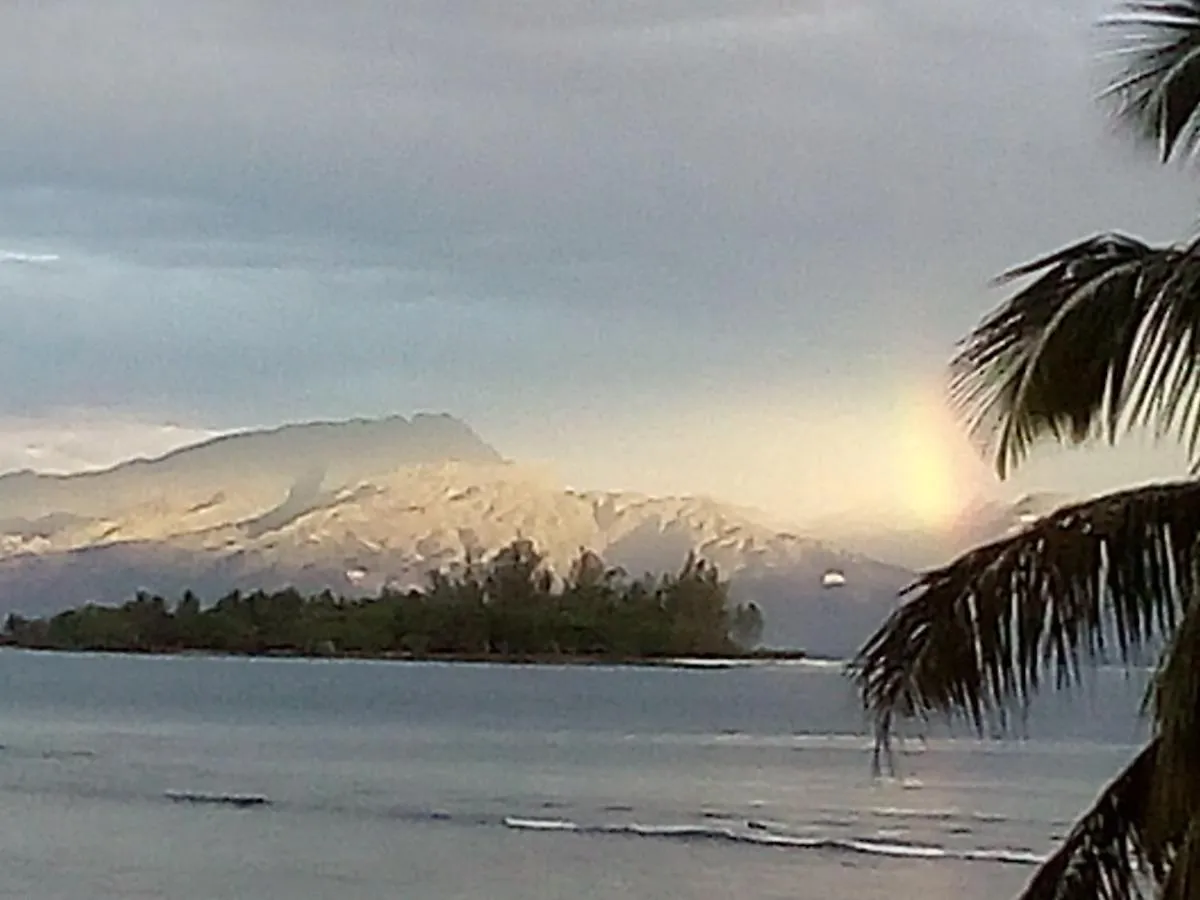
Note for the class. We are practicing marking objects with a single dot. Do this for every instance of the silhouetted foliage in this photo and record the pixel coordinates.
(509, 607)
(1102, 337)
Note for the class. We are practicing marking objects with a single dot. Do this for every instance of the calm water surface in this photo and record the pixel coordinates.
(507, 783)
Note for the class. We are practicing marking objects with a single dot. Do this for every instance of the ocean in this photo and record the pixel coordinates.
(445, 781)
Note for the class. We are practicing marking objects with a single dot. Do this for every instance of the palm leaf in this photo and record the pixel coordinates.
(1107, 855)
(1175, 704)
(1106, 337)
(980, 634)
(1183, 879)
(1156, 44)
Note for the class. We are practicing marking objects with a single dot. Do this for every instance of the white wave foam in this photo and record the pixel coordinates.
(756, 833)
(741, 662)
(812, 663)
(885, 848)
(9, 256)
(1023, 857)
(539, 824)
(710, 663)
(988, 817)
(903, 812)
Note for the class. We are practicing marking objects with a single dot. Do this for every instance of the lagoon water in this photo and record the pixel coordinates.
(439, 781)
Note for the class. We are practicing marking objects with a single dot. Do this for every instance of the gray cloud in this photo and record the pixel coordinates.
(266, 208)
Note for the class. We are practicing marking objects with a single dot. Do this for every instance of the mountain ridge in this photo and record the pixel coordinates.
(367, 504)
(421, 422)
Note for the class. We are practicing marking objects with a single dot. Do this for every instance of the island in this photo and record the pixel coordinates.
(511, 609)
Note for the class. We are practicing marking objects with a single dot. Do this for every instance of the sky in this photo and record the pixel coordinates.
(662, 245)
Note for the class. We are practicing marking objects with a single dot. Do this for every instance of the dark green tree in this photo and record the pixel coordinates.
(509, 606)
(746, 629)
(518, 588)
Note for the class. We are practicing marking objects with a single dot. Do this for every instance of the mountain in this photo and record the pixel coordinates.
(356, 506)
(924, 548)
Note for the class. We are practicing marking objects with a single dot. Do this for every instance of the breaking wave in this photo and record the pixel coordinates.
(758, 834)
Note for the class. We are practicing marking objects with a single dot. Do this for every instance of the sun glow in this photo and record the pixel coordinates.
(938, 472)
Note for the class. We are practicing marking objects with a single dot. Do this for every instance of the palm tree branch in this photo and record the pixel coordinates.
(980, 635)
(1174, 702)
(1082, 294)
(1107, 855)
(1165, 388)
(1182, 881)
(1157, 85)
(1105, 336)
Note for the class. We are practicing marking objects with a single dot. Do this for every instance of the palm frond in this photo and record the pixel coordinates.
(1107, 856)
(1183, 879)
(1175, 706)
(1106, 337)
(979, 635)
(1157, 84)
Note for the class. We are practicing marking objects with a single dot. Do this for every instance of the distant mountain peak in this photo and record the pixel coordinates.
(425, 438)
(359, 505)
(304, 447)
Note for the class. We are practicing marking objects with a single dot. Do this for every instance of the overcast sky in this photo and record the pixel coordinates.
(676, 245)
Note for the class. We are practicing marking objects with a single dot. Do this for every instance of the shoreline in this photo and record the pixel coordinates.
(691, 661)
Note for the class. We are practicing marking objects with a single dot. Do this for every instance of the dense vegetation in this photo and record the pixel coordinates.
(509, 607)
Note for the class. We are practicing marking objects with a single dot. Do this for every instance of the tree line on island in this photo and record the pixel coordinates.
(512, 606)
